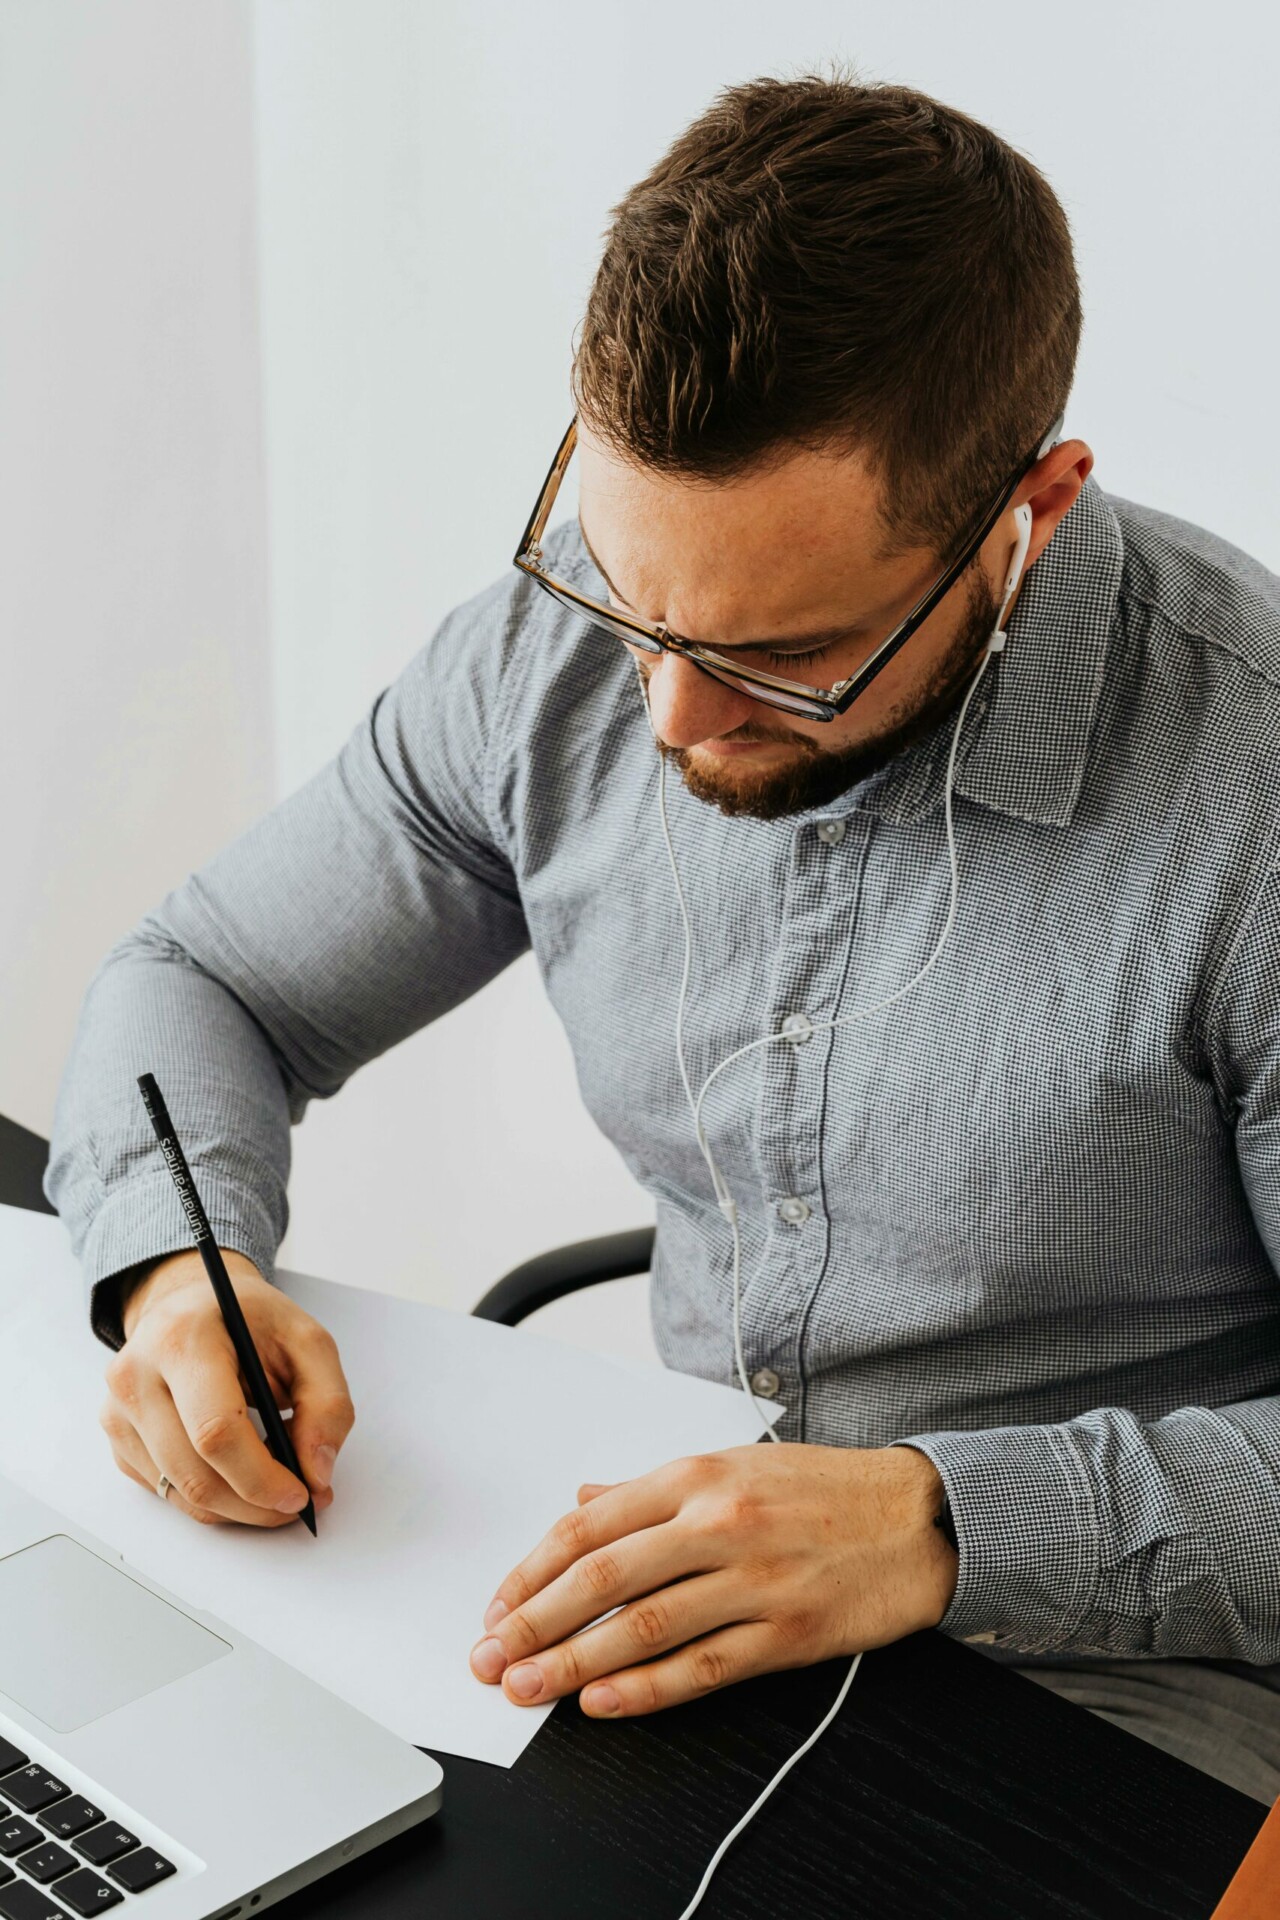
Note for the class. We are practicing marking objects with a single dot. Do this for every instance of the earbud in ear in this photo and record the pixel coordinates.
(1022, 520)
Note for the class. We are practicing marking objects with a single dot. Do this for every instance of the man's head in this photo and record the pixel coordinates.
(827, 328)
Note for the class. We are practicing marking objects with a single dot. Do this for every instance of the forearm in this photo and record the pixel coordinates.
(150, 1008)
(1106, 1535)
(365, 904)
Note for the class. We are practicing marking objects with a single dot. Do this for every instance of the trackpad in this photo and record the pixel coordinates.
(79, 1638)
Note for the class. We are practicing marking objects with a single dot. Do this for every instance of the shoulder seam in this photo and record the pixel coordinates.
(1214, 640)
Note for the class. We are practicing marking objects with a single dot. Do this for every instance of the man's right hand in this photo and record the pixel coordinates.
(178, 1402)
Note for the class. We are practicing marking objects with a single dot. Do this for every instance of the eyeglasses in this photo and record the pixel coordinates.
(814, 703)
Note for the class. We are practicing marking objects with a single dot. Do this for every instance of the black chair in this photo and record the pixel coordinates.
(565, 1270)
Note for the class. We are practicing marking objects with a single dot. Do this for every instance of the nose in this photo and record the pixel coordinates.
(688, 706)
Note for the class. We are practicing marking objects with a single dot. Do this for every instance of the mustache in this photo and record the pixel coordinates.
(756, 734)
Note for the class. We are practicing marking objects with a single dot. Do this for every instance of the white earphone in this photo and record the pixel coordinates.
(724, 1199)
(1023, 517)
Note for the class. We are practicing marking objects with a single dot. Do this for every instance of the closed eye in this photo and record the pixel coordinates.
(784, 660)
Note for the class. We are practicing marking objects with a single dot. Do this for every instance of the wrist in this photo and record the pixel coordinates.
(938, 1557)
(945, 1523)
(147, 1284)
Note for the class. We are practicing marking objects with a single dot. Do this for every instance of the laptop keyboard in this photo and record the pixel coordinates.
(59, 1854)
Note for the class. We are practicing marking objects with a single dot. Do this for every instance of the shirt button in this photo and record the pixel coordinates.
(979, 1639)
(793, 1210)
(765, 1382)
(832, 831)
(797, 1028)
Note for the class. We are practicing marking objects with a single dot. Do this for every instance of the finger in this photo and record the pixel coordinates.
(640, 1563)
(174, 1499)
(133, 1460)
(202, 1426)
(732, 1653)
(590, 1488)
(171, 1450)
(627, 1508)
(323, 1414)
(660, 1621)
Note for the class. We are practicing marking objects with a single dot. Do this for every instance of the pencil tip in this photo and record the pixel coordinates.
(309, 1515)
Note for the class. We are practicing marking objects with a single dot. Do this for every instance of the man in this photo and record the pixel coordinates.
(1007, 1243)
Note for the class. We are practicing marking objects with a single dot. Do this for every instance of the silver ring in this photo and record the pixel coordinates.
(163, 1486)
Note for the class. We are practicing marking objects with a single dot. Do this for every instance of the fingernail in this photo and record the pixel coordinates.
(488, 1659)
(498, 1610)
(293, 1502)
(324, 1458)
(601, 1700)
(525, 1682)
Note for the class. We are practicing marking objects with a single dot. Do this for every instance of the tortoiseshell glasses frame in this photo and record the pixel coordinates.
(814, 703)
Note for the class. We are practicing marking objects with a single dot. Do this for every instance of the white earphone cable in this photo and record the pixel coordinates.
(724, 1199)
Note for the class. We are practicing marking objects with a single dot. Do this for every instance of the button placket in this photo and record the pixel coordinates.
(810, 957)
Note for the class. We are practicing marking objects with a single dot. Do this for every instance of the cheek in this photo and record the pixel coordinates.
(895, 689)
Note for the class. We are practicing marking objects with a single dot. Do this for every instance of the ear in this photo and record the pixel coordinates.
(1051, 489)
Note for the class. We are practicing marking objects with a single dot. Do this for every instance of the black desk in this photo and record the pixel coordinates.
(947, 1786)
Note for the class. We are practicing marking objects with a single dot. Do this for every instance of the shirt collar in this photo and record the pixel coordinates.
(1027, 734)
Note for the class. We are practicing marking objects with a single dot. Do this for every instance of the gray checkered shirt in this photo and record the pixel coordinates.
(1028, 1218)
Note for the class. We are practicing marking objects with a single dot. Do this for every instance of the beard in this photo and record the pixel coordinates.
(819, 775)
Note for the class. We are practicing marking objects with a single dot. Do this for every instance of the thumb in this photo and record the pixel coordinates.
(322, 1411)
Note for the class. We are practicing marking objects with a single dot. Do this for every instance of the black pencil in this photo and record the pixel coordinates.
(215, 1266)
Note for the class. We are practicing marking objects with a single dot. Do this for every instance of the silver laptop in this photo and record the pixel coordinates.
(155, 1763)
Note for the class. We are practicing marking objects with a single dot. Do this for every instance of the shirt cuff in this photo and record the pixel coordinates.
(1028, 1533)
(143, 1221)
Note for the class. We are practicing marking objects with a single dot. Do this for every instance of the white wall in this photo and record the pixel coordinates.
(433, 180)
(135, 724)
(419, 285)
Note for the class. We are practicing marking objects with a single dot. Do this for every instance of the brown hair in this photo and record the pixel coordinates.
(818, 263)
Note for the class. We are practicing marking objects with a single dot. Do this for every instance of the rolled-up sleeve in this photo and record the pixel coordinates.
(367, 903)
(1111, 1535)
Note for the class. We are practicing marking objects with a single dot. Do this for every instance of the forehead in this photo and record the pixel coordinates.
(801, 533)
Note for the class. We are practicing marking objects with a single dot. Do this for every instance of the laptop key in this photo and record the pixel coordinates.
(85, 1893)
(11, 1756)
(22, 1901)
(140, 1870)
(34, 1787)
(47, 1862)
(105, 1843)
(16, 1834)
(72, 1816)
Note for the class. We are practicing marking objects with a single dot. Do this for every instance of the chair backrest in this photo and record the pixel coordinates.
(565, 1270)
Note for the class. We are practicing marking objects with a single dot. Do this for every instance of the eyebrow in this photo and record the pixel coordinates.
(796, 642)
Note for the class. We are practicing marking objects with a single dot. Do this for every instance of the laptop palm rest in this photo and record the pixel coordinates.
(79, 1638)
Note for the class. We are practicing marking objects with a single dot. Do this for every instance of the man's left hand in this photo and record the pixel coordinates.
(726, 1565)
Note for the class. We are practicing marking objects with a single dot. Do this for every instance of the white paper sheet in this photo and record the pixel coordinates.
(470, 1440)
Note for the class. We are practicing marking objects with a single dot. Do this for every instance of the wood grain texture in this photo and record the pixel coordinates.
(947, 1787)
